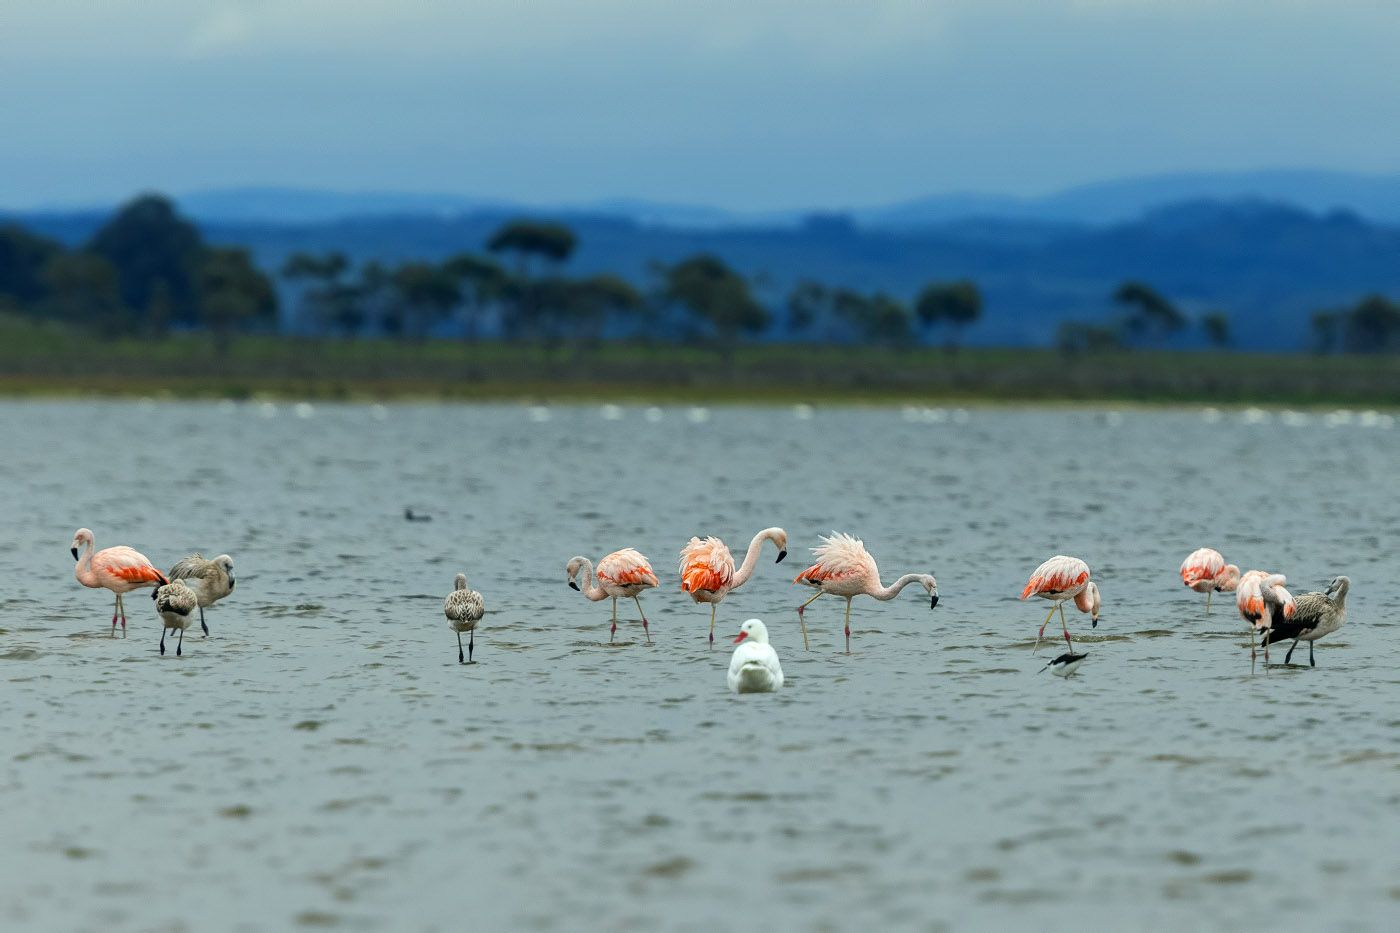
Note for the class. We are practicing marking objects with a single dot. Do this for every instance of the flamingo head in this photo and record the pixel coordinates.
(575, 565)
(1228, 580)
(226, 565)
(459, 582)
(930, 586)
(779, 537)
(1094, 603)
(81, 538)
(753, 629)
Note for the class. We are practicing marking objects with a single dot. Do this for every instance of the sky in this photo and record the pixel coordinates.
(742, 104)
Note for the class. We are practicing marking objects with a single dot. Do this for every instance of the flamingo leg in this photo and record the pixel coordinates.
(1311, 662)
(1041, 634)
(180, 644)
(1065, 626)
(162, 641)
(116, 609)
(800, 610)
(848, 625)
(1209, 594)
(471, 643)
(1289, 656)
(201, 622)
(646, 627)
(614, 622)
(460, 658)
(713, 606)
(122, 606)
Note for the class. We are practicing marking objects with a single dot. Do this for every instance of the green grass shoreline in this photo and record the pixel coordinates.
(40, 361)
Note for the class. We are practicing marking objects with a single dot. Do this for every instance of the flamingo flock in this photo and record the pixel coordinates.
(842, 568)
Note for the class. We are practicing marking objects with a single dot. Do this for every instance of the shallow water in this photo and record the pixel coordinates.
(323, 761)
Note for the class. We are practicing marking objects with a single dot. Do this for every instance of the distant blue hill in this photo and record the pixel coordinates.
(1375, 197)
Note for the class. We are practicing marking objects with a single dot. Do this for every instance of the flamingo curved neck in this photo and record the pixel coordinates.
(751, 558)
(84, 571)
(590, 589)
(891, 591)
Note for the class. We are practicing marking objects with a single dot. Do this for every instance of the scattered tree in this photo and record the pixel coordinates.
(232, 293)
(716, 295)
(951, 304)
(149, 243)
(1150, 316)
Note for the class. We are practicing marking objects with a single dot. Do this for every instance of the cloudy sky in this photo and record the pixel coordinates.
(750, 104)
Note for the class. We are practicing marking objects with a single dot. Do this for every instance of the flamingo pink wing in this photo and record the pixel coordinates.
(128, 565)
(706, 565)
(626, 567)
(1056, 575)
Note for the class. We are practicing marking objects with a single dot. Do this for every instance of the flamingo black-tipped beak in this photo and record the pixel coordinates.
(230, 584)
(781, 555)
(573, 585)
(933, 600)
(75, 553)
(1095, 623)
(154, 593)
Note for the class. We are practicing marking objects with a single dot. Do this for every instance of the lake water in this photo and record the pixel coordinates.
(323, 761)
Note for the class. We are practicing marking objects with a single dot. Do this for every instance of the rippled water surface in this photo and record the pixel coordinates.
(323, 761)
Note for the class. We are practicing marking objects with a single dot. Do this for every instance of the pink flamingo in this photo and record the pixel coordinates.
(1205, 571)
(1060, 579)
(844, 568)
(622, 574)
(1262, 601)
(119, 569)
(707, 568)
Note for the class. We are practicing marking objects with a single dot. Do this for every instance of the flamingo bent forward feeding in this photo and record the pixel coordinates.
(844, 568)
(175, 604)
(1060, 579)
(1314, 615)
(1205, 571)
(119, 569)
(463, 608)
(622, 574)
(1262, 602)
(754, 668)
(707, 568)
(211, 580)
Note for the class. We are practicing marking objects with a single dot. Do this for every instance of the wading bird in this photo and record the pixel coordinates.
(1314, 615)
(622, 574)
(1205, 571)
(707, 568)
(211, 580)
(1066, 664)
(1060, 579)
(844, 568)
(119, 569)
(754, 668)
(175, 604)
(1263, 602)
(463, 608)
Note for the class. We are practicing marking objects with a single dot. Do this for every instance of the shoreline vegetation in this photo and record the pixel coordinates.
(54, 360)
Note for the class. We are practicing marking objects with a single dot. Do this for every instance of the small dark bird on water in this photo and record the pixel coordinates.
(1314, 615)
(412, 516)
(1066, 664)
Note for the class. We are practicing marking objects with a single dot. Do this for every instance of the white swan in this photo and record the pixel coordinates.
(754, 667)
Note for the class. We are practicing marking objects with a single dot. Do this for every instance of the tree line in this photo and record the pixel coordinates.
(148, 270)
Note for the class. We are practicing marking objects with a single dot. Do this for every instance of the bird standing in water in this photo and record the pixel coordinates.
(707, 568)
(622, 574)
(1314, 615)
(119, 569)
(175, 604)
(754, 668)
(1060, 579)
(464, 609)
(844, 568)
(1205, 571)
